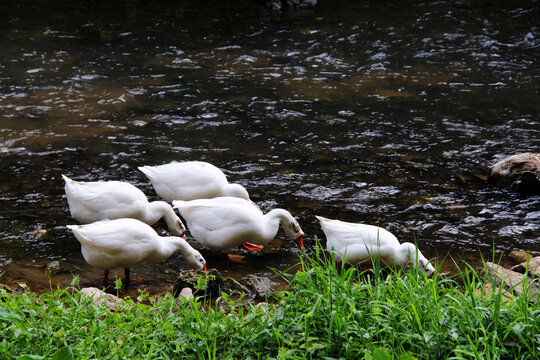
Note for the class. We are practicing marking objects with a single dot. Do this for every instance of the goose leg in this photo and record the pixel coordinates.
(250, 246)
(235, 257)
(126, 276)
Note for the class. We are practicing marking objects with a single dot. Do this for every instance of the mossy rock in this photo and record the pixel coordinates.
(258, 287)
(203, 283)
(212, 283)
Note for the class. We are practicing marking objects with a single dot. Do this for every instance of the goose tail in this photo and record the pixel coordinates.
(177, 204)
(146, 170)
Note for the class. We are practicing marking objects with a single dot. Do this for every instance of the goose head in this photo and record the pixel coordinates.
(180, 229)
(195, 260)
(418, 260)
(294, 231)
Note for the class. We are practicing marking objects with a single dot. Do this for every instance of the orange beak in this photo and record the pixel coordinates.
(300, 241)
(204, 268)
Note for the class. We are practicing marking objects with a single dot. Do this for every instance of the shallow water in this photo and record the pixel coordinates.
(386, 114)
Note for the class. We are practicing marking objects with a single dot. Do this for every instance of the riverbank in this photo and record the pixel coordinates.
(324, 313)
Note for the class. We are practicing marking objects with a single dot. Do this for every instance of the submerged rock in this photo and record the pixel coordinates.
(520, 256)
(213, 283)
(53, 267)
(519, 172)
(56, 267)
(288, 5)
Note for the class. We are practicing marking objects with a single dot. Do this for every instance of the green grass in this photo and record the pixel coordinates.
(326, 314)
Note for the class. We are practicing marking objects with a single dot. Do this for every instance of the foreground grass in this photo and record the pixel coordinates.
(326, 314)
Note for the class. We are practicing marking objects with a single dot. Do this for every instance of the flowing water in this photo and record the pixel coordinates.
(387, 113)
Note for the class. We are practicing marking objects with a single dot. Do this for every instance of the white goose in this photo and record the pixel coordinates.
(360, 242)
(108, 244)
(191, 180)
(99, 200)
(225, 222)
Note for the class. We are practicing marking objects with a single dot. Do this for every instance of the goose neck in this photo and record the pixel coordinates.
(160, 209)
(272, 221)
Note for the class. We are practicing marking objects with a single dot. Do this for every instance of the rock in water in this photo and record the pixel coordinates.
(520, 172)
(212, 283)
(203, 283)
(53, 268)
(230, 286)
(258, 286)
(520, 256)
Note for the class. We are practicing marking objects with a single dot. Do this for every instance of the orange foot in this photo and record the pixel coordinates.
(251, 247)
(236, 258)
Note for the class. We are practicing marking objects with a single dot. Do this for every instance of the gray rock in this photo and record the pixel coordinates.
(533, 266)
(53, 268)
(101, 298)
(258, 287)
(520, 172)
(511, 281)
(230, 285)
(186, 293)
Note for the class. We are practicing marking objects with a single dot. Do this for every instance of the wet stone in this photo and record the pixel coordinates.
(53, 268)
(520, 256)
(289, 5)
(203, 283)
(258, 286)
(520, 172)
(230, 286)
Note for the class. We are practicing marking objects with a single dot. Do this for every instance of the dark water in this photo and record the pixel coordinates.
(365, 111)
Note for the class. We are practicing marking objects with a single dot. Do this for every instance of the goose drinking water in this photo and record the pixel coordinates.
(361, 242)
(108, 244)
(98, 200)
(225, 222)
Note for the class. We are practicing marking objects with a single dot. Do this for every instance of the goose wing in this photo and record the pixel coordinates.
(186, 180)
(221, 222)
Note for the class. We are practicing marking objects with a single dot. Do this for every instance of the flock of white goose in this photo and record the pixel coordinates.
(218, 215)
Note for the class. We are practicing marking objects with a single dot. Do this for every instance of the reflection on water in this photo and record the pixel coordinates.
(368, 112)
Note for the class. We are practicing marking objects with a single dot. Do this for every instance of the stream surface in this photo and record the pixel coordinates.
(386, 113)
